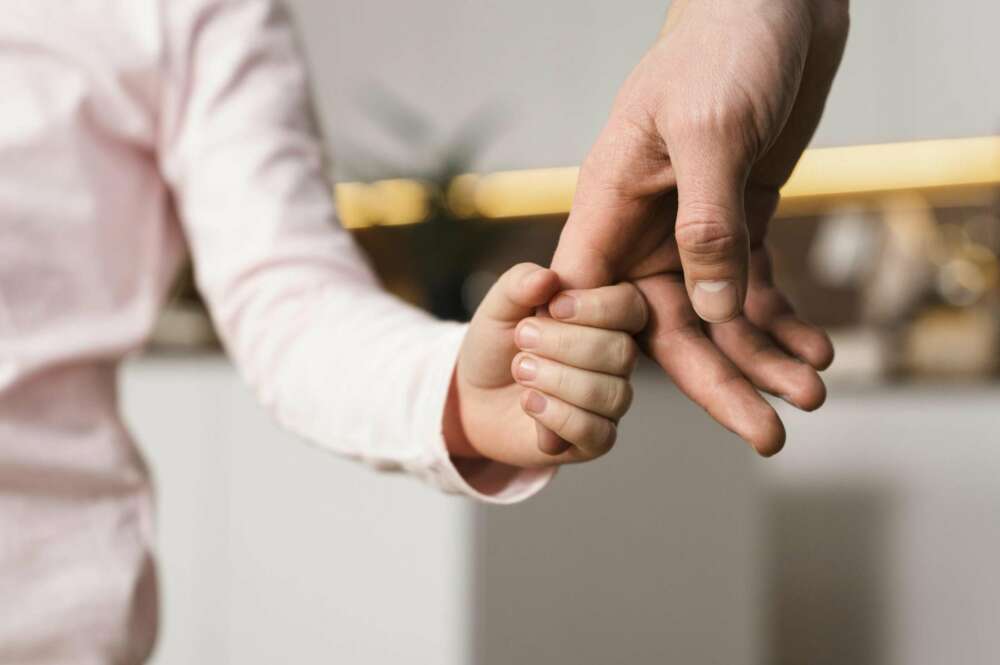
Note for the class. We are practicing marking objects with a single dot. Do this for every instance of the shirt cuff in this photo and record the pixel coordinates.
(480, 479)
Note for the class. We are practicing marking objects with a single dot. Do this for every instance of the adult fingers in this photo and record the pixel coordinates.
(674, 339)
(766, 366)
(769, 310)
(618, 193)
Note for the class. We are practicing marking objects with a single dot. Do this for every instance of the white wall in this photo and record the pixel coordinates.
(914, 68)
(273, 551)
(871, 539)
(881, 530)
(651, 555)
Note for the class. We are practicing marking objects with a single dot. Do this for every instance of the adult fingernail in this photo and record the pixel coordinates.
(535, 403)
(527, 368)
(563, 307)
(528, 336)
(716, 301)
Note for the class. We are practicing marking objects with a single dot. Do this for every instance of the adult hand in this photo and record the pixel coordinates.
(677, 192)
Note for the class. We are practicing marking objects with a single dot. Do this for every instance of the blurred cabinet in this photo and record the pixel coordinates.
(274, 551)
(882, 531)
(873, 538)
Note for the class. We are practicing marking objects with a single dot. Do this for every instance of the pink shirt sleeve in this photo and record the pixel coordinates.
(335, 358)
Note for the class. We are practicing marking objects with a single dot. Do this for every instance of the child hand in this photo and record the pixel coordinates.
(570, 374)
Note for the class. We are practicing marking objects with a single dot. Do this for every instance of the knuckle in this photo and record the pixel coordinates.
(619, 397)
(513, 277)
(703, 235)
(608, 169)
(560, 384)
(563, 342)
(612, 397)
(629, 396)
(712, 121)
(590, 431)
(638, 306)
(600, 312)
(628, 353)
(593, 394)
(602, 437)
(563, 423)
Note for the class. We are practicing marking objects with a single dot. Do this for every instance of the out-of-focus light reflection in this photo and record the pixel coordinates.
(875, 169)
(931, 167)
(383, 203)
(531, 193)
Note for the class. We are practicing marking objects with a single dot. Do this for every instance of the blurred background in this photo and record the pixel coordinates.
(454, 128)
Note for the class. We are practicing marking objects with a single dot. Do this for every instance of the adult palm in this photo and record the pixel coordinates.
(678, 190)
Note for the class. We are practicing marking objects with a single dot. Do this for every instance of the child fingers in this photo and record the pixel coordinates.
(591, 434)
(604, 394)
(618, 307)
(607, 351)
(549, 442)
(517, 293)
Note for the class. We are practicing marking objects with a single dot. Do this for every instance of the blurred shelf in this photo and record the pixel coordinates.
(943, 171)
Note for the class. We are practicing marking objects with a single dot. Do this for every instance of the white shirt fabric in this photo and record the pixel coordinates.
(131, 130)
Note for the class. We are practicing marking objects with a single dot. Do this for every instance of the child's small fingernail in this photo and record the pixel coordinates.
(527, 368)
(528, 336)
(535, 403)
(563, 307)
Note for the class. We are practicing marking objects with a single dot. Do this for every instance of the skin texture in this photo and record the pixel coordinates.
(572, 372)
(679, 189)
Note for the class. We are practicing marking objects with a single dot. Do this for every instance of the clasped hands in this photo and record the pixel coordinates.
(666, 240)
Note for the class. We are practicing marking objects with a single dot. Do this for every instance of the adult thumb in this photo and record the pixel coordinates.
(711, 230)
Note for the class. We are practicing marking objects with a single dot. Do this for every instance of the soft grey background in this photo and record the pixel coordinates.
(871, 540)
(914, 69)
